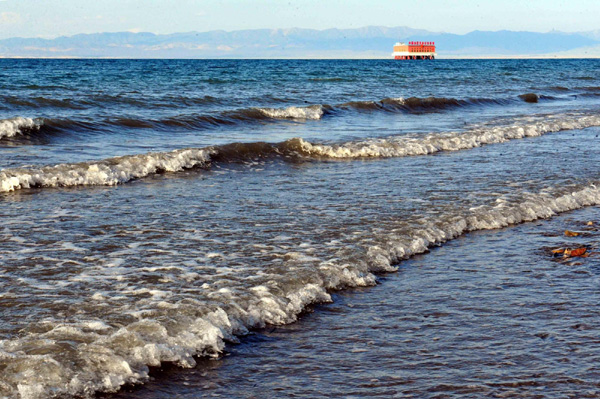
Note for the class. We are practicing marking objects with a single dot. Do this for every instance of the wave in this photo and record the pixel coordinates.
(400, 104)
(417, 104)
(399, 146)
(118, 170)
(21, 130)
(111, 171)
(249, 115)
(17, 126)
(244, 115)
(176, 332)
(543, 205)
(20, 126)
(310, 112)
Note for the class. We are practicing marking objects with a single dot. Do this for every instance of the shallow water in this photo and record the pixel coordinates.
(141, 227)
(489, 314)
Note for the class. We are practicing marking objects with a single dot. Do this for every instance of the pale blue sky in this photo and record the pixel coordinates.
(51, 18)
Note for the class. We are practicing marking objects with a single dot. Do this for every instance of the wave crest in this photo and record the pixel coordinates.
(106, 172)
(311, 112)
(408, 146)
(123, 169)
(16, 126)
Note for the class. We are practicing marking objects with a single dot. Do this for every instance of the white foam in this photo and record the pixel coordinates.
(113, 356)
(311, 112)
(399, 100)
(118, 356)
(502, 214)
(13, 126)
(117, 170)
(106, 172)
(398, 146)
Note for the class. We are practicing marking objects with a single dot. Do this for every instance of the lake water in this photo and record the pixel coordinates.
(158, 212)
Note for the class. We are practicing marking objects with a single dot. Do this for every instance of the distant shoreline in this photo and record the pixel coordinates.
(515, 57)
(372, 42)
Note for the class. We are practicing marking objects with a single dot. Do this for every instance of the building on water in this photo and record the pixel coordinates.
(414, 51)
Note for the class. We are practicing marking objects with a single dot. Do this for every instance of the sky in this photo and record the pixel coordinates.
(52, 18)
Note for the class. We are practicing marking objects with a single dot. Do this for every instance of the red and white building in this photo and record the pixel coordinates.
(414, 51)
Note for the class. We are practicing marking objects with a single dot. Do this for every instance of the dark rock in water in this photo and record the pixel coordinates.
(529, 97)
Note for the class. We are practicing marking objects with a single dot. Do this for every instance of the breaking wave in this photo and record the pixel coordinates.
(107, 172)
(226, 118)
(543, 205)
(311, 112)
(12, 127)
(96, 356)
(118, 170)
(17, 126)
(399, 146)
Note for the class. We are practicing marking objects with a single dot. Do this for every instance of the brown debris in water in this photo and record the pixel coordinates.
(570, 233)
(576, 249)
(580, 252)
(571, 253)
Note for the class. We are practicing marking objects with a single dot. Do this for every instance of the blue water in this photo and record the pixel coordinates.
(157, 212)
(94, 106)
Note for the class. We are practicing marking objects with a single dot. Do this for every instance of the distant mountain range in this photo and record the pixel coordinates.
(367, 42)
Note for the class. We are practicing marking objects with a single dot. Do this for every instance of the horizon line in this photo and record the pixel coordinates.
(492, 57)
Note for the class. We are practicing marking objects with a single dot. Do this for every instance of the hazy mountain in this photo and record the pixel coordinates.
(366, 42)
(593, 34)
(510, 43)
